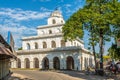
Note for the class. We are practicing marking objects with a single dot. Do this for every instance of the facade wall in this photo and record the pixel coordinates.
(4, 68)
(51, 55)
(45, 31)
(48, 33)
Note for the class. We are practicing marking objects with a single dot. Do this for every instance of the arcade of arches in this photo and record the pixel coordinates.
(70, 63)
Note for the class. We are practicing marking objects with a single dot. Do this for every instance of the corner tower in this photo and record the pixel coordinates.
(55, 18)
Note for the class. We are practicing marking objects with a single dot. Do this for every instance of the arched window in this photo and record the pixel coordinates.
(70, 62)
(53, 44)
(62, 43)
(44, 45)
(45, 63)
(61, 21)
(50, 32)
(56, 63)
(36, 45)
(43, 32)
(28, 46)
(53, 21)
(27, 63)
(18, 63)
(58, 30)
(36, 63)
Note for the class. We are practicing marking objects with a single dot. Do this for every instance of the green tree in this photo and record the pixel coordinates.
(114, 52)
(20, 48)
(96, 14)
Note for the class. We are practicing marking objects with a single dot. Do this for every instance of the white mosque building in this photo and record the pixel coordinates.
(48, 50)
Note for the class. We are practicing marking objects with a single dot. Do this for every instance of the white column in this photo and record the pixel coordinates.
(50, 64)
(40, 64)
(31, 64)
(22, 64)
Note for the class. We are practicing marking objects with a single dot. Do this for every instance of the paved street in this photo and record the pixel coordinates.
(56, 75)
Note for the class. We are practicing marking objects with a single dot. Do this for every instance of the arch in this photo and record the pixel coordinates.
(62, 43)
(36, 63)
(85, 62)
(56, 63)
(18, 63)
(53, 44)
(53, 21)
(42, 32)
(81, 62)
(28, 46)
(70, 63)
(61, 21)
(50, 31)
(58, 30)
(44, 45)
(27, 63)
(36, 45)
(45, 63)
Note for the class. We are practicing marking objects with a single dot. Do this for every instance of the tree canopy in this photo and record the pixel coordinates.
(99, 17)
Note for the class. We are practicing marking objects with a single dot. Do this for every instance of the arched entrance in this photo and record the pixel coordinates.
(18, 63)
(36, 63)
(56, 63)
(45, 63)
(27, 63)
(70, 63)
(81, 62)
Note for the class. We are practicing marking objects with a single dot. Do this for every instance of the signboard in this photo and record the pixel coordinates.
(118, 43)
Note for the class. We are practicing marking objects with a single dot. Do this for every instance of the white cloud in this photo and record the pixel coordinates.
(17, 30)
(45, 9)
(19, 14)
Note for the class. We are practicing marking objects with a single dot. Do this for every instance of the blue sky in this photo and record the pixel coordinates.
(22, 17)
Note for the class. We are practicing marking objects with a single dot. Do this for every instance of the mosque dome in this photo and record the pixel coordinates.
(56, 13)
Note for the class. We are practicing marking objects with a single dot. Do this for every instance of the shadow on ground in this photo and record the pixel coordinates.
(81, 74)
(18, 78)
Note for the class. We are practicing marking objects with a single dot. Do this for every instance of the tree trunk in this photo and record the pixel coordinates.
(93, 47)
(101, 50)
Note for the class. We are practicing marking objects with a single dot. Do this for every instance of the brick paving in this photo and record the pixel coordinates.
(54, 75)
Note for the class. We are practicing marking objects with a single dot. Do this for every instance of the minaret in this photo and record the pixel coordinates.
(55, 18)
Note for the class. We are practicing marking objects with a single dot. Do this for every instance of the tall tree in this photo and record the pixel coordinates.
(96, 14)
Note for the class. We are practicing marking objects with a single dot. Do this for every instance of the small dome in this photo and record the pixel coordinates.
(56, 13)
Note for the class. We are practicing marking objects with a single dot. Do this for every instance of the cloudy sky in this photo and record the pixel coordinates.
(22, 17)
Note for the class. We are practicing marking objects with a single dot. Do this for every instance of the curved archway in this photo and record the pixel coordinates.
(53, 21)
(53, 44)
(70, 63)
(81, 62)
(44, 45)
(27, 63)
(28, 46)
(56, 63)
(36, 45)
(50, 31)
(18, 63)
(85, 63)
(36, 63)
(45, 63)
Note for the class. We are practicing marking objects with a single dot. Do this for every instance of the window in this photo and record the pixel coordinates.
(50, 32)
(53, 44)
(58, 30)
(53, 21)
(44, 45)
(62, 43)
(43, 32)
(36, 45)
(61, 21)
(28, 46)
